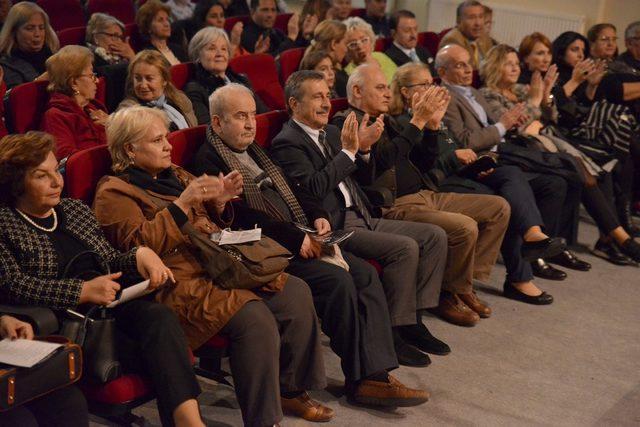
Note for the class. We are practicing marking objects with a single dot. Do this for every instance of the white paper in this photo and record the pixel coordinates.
(228, 237)
(25, 353)
(132, 292)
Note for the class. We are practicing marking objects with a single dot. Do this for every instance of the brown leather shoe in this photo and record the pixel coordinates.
(453, 310)
(305, 407)
(392, 394)
(476, 304)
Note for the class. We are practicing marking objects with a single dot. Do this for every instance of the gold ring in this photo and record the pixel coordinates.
(204, 189)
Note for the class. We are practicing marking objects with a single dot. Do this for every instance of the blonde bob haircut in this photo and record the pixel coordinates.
(20, 14)
(491, 68)
(402, 78)
(65, 65)
(326, 32)
(129, 126)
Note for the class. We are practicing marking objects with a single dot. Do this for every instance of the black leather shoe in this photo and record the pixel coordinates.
(609, 251)
(631, 248)
(420, 337)
(407, 354)
(512, 292)
(544, 271)
(542, 248)
(569, 260)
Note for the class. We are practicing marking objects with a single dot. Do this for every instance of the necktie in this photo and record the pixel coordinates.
(414, 56)
(358, 202)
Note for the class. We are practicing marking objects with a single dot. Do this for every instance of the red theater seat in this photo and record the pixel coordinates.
(268, 125)
(231, 21)
(281, 22)
(72, 35)
(338, 104)
(262, 72)
(121, 9)
(63, 13)
(290, 62)
(383, 43)
(185, 143)
(430, 40)
(359, 12)
(182, 73)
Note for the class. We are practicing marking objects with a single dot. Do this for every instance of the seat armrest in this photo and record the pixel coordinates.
(43, 319)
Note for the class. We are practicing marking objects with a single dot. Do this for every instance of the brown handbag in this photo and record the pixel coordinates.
(241, 266)
(61, 368)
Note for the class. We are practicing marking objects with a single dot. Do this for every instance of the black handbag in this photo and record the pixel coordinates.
(95, 331)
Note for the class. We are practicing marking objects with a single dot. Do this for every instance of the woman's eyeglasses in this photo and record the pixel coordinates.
(353, 45)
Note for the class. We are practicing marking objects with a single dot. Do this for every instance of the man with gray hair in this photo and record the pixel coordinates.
(328, 162)
(346, 290)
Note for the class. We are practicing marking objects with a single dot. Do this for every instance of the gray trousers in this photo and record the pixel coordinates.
(413, 257)
(274, 347)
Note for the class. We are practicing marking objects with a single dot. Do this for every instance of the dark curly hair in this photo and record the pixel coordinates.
(18, 154)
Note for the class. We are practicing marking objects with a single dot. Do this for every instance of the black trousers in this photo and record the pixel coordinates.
(65, 407)
(354, 313)
(152, 342)
(599, 203)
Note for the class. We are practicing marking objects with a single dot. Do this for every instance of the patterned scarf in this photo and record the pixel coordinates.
(252, 193)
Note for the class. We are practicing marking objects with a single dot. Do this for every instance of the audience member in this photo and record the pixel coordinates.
(326, 162)
(151, 202)
(500, 71)
(607, 131)
(36, 224)
(475, 224)
(319, 8)
(375, 14)
(603, 42)
(346, 290)
(473, 124)
(535, 54)
(181, 9)
(405, 48)
(340, 9)
(235, 7)
(360, 42)
(149, 83)
(631, 57)
(329, 36)
(470, 31)
(209, 49)
(321, 61)
(154, 25)
(448, 171)
(488, 23)
(73, 115)
(261, 31)
(106, 40)
(26, 41)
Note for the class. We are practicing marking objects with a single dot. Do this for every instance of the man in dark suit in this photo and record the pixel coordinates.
(350, 301)
(375, 14)
(325, 161)
(405, 49)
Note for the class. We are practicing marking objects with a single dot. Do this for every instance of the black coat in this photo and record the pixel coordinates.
(400, 58)
(202, 86)
(178, 50)
(303, 162)
(279, 41)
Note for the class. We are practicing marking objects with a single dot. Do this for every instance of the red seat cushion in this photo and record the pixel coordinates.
(127, 388)
(72, 35)
(217, 341)
(268, 125)
(83, 171)
(232, 20)
(185, 143)
(182, 73)
(383, 43)
(282, 20)
(263, 74)
(430, 40)
(290, 62)
(338, 104)
(25, 116)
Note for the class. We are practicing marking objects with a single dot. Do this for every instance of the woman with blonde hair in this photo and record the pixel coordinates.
(26, 41)
(149, 83)
(329, 36)
(73, 115)
(361, 40)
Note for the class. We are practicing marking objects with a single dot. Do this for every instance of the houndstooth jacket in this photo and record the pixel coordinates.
(29, 263)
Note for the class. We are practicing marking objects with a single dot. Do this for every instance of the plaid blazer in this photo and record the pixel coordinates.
(29, 263)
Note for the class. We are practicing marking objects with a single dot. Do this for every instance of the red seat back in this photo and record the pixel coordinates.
(121, 9)
(268, 125)
(430, 40)
(63, 13)
(185, 143)
(135, 39)
(262, 72)
(281, 21)
(383, 43)
(83, 171)
(359, 11)
(25, 116)
(338, 104)
(290, 62)
(182, 73)
(443, 33)
(231, 21)
(72, 35)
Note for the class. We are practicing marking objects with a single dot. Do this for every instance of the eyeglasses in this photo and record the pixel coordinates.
(114, 36)
(92, 76)
(607, 39)
(424, 85)
(354, 44)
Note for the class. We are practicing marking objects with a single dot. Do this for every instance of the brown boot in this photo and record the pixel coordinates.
(453, 310)
(476, 304)
(392, 394)
(305, 407)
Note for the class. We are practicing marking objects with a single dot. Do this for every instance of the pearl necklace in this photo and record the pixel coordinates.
(38, 226)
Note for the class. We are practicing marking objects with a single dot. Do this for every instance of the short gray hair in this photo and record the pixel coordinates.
(357, 78)
(98, 23)
(204, 37)
(355, 23)
(632, 30)
(293, 87)
(217, 98)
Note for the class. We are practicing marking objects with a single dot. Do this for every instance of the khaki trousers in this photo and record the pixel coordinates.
(475, 225)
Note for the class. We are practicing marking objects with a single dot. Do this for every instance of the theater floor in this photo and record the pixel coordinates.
(576, 362)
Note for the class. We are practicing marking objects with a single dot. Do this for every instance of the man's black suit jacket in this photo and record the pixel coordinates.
(401, 58)
(303, 162)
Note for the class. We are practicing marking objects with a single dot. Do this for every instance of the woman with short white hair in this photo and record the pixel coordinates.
(210, 49)
(361, 40)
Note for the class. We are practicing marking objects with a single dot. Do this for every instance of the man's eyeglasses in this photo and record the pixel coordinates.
(354, 44)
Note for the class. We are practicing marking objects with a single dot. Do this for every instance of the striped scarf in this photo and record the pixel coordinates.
(612, 125)
(252, 193)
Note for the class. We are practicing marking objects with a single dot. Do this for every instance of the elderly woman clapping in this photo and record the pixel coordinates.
(210, 49)
(105, 37)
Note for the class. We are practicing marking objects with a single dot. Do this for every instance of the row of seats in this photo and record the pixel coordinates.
(71, 13)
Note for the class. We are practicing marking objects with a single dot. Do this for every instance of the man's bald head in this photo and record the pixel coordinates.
(453, 64)
(368, 89)
(233, 115)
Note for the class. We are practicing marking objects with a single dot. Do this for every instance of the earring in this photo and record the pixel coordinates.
(76, 92)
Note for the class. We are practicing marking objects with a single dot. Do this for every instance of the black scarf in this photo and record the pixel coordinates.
(165, 183)
(36, 59)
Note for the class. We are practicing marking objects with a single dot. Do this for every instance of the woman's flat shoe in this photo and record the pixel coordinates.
(546, 271)
(609, 251)
(512, 292)
(569, 260)
(542, 248)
